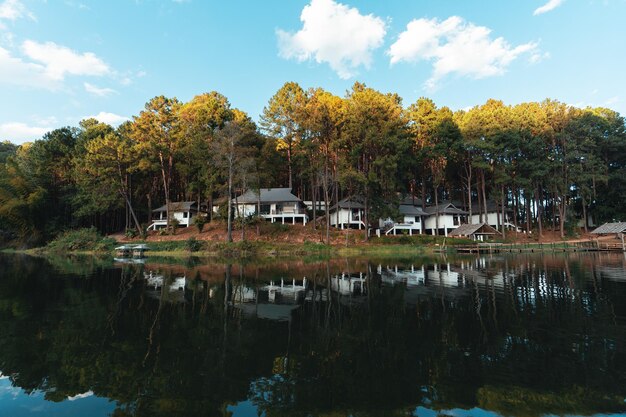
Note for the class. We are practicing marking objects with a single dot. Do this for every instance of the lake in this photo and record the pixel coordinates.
(526, 335)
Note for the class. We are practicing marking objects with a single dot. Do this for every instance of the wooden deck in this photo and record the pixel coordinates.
(589, 246)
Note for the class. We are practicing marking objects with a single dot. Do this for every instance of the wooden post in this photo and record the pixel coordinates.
(621, 236)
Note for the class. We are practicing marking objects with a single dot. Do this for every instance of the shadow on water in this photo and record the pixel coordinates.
(513, 335)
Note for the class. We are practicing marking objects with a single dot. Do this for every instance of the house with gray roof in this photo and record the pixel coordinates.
(273, 204)
(411, 220)
(610, 229)
(348, 213)
(450, 217)
(480, 232)
(492, 214)
(182, 211)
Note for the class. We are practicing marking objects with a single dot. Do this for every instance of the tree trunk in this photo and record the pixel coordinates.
(484, 196)
(326, 202)
(229, 222)
(502, 223)
(289, 167)
(539, 211)
(436, 211)
(366, 214)
(584, 213)
(562, 214)
(314, 200)
(469, 193)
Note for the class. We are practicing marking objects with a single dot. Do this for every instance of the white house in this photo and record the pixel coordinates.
(411, 222)
(348, 213)
(494, 217)
(274, 204)
(450, 217)
(183, 211)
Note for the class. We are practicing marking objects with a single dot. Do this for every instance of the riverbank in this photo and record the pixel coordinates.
(268, 240)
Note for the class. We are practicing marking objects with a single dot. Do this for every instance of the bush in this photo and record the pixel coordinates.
(174, 225)
(131, 233)
(81, 240)
(193, 245)
(200, 221)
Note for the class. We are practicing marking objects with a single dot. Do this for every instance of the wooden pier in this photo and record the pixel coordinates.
(588, 246)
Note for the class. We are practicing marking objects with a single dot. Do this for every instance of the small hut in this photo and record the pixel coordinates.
(480, 232)
(611, 229)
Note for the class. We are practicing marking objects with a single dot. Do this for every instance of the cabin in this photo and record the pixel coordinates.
(411, 219)
(479, 232)
(450, 217)
(493, 218)
(183, 211)
(611, 229)
(348, 213)
(273, 204)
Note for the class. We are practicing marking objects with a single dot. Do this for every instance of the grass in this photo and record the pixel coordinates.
(81, 240)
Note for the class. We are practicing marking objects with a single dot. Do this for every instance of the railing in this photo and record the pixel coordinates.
(287, 211)
(587, 246)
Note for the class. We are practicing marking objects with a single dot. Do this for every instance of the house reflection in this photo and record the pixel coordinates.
(166, 288)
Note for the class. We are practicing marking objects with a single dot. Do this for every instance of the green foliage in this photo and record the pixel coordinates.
(550, 161)
(200, 221)
(422, 240)
(193, 245)
(81, 240)
(174, 223)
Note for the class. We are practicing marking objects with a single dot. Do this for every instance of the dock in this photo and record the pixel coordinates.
(587, 246)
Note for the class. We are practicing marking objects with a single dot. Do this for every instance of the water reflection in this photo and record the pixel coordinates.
(526, 336)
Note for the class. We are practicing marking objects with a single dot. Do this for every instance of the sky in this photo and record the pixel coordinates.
(62, 61)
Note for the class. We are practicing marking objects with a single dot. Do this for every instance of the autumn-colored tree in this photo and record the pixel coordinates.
(157, 136)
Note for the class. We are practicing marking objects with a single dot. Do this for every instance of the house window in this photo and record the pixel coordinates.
(455, 219)
(265, 209)
(356, 214)
(185, 214)
(417, 219)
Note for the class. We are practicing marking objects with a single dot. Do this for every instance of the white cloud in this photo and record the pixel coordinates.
(537, 57)
(455, 47)
(109, 118)
(16, 71)
(21, 132)
(550, 5)
(99, 91)
(80, 396)
(335, 34)
(60, 60)
(13, 10)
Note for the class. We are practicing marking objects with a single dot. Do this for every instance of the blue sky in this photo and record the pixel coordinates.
(64, 60)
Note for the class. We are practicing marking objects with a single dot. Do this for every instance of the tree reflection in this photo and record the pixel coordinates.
(520, 336)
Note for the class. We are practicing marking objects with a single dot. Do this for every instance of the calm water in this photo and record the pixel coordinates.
(515, 336)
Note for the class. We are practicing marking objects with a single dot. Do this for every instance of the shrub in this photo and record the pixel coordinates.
(193, 245)
(131, 233)
(174, 225)
(200, 221)
(81, 239)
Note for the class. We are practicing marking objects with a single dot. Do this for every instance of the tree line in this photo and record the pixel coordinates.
(551, 164)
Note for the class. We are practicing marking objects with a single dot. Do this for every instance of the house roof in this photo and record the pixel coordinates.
(267, 195)
(411, 201)
(178, 206)
(608, 228)
(470, 229)
(445, 207)
(352, 202)
(411, 210)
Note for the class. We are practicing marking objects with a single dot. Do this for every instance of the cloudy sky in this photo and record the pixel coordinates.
(64, 60)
